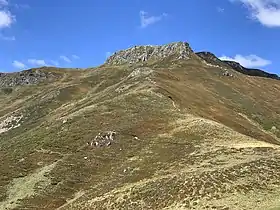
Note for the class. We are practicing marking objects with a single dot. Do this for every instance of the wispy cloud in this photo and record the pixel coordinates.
(69, 59)
(220, 9)
(21, 6)
(75, 57)
(250, 61)
(18, 64)
(65, 58)
(267, 12)
(33, 62)
(146, 19)
(37, 62)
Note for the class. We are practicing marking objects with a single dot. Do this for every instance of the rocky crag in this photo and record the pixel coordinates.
(137, 54)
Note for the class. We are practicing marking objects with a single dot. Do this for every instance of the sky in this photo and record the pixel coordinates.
(72, 33)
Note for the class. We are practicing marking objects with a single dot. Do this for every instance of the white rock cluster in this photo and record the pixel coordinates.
(10, 123)
(103, 139)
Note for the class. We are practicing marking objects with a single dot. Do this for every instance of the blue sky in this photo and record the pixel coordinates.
(72, 33)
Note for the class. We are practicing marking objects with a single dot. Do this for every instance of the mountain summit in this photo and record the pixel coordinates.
(156, 127)
(136, 54)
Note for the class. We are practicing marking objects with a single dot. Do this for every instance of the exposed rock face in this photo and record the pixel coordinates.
(252, 72)
(137, 54)
(27, 77)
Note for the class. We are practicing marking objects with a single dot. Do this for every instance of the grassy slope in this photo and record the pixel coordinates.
(204, 140)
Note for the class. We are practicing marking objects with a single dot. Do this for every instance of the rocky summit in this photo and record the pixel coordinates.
(155, 127)
(136, 54)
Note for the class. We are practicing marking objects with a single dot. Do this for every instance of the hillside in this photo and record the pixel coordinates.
(155, 127)
(213, 60)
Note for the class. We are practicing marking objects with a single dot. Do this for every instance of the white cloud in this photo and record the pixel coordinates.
(65, 58)
(220, 9)
(19, 65)
(6, 19)
(147, 20)
(21, 6)
(37, 62)
(267, 12)
(250, 61)
(75, 57)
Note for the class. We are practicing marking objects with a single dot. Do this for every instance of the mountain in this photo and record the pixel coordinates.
(154, 127)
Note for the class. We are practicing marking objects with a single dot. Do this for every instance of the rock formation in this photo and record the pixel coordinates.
(27, 77)
(136, 54)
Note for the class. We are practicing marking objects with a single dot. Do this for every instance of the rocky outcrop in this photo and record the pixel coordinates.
(252, 72)
(27, 77)
(10, 123)
(103, 139)
(138, 54)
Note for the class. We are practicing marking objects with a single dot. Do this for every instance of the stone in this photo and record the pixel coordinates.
(103, 139)
(226, 73)
(10, 122)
